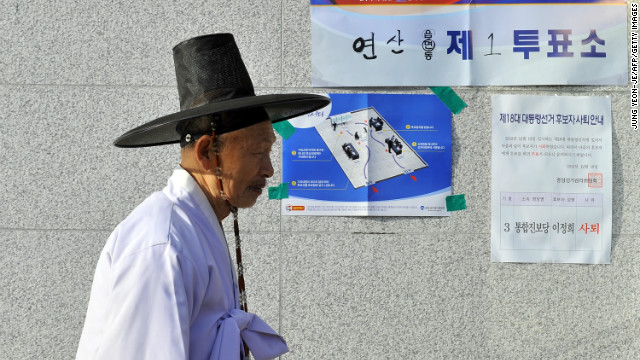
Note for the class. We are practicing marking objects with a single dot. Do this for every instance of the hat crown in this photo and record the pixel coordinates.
(209, 69)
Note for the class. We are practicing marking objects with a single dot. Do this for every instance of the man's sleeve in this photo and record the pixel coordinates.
(149, 308)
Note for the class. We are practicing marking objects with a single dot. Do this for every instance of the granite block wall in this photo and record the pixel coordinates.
(75, 75)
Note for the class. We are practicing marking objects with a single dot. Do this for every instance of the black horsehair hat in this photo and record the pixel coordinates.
(212, 80)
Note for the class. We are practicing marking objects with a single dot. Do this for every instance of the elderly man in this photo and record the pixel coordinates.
(165, 287)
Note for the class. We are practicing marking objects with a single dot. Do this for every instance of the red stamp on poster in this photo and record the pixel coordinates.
(595, 180)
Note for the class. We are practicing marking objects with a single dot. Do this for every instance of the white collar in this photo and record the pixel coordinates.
(182, 179)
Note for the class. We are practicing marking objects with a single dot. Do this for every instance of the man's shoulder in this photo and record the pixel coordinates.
(148, 225)
(153, 214)
(166, 219)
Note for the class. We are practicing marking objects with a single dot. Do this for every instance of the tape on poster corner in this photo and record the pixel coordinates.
(284, 128)
(456, 202)
(449, 98)
(279, 192)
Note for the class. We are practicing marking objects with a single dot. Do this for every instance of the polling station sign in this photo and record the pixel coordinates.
(468, 43)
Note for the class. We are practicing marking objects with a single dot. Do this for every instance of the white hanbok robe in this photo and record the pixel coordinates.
(165, 288)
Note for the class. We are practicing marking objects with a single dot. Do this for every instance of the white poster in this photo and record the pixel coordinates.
(551, 179)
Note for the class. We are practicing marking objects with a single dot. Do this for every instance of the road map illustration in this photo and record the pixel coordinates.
(370, 155)
(367, 148)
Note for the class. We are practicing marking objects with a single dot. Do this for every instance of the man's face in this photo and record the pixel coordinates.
(246, 163)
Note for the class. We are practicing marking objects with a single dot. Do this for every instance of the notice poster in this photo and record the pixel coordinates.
(463, 42)
(370, 155)
(551, 179)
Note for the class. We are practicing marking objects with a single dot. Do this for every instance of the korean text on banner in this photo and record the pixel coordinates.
(460, 43)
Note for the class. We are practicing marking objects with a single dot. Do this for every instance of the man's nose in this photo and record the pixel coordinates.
(267, 168)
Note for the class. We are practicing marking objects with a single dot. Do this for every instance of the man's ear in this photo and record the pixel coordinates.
(203, 150)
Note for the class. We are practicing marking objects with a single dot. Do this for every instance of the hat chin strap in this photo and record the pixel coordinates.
(242, 300)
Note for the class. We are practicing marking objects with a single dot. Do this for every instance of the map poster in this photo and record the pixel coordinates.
(551, 179)
(370, 155)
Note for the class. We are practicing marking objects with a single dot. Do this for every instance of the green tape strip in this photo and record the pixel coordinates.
(449, 98)
(456, 202)
(279, 192)
(284, 128)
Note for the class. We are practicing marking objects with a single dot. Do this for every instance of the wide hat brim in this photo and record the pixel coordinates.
(278, 107)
